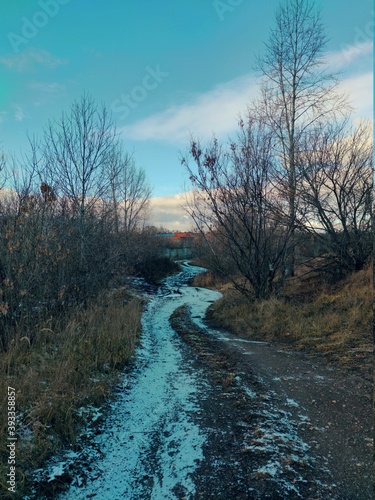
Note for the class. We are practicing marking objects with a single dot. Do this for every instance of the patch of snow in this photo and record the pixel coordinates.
(304, 419)
(57, 471)
(277, 439)
(270, 469)
(151, 445)
(291, 402)
(250, 392)
(245, 388)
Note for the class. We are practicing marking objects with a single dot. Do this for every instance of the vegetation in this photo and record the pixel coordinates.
(72, 228)
(284, 212)
(67, 367)
(313, 315)
(298, 170)
(285, 208)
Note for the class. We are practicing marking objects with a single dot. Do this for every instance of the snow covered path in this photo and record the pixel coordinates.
(151, 445)
(207, 415)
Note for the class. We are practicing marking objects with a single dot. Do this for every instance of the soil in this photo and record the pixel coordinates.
(309, 423)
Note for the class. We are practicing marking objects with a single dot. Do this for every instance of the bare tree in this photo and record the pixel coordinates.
(137, 193)
(130, 192)
(77, 150)
(296, 89)
(3, 169)
(336, 165)
(56, 224)
(234, 206)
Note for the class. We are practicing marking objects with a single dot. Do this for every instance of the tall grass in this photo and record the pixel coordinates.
(66, 367)
(334, 320)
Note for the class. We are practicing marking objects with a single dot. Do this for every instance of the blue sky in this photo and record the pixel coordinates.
(165, 68)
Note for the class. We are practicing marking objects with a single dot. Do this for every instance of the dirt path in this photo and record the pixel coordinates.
(310, 431)
(206, 415)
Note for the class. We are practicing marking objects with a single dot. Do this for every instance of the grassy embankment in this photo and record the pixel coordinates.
(67, 367)
(310, 315)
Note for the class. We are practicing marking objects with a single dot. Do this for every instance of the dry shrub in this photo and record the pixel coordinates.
(65, 368)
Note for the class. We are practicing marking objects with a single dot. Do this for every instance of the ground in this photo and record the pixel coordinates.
(309, 422)
(203, 414)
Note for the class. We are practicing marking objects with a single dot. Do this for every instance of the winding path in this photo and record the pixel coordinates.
(207, 415)
(152, 445)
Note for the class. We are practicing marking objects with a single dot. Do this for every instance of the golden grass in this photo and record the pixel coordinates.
(65, 368)
(207, 279)
(333, 320)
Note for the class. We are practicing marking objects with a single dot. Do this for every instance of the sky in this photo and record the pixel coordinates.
(165, 69)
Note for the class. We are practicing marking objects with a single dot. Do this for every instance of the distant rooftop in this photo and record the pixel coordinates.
(177, 235)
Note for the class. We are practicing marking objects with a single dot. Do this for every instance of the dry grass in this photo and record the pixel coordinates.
(62, 370)
(333, 320)
(209, 280)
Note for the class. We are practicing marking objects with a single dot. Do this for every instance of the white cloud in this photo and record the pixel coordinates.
(28, 59)
(49, 88)
(7, 196)
(359, 88)
(19, 114)
(349, 54)
(215, 111)
(358, 85)
(168, 212)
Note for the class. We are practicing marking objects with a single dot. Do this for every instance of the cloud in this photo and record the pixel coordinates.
(214, 111)
(217, 110)
(48, 88)
(349, 54)
(168, 212)
(19, 114)
(359, 87)
(28, 59)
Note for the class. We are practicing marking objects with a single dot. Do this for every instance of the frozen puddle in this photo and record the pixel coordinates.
(151, 445)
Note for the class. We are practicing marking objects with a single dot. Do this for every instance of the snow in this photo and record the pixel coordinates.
(252, 394)
(277, 437)
(151, 446)
(291, 402)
